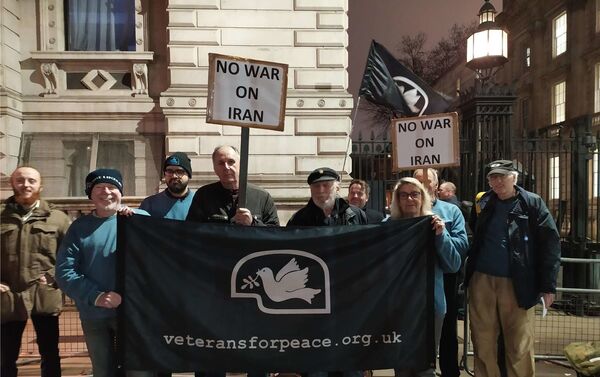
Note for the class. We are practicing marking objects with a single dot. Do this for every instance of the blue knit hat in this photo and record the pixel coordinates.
(111, 176)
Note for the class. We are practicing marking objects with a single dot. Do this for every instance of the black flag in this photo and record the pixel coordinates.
(215, 297)
(389, 83)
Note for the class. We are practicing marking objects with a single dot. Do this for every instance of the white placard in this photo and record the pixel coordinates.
(429, 141)
(246, 92)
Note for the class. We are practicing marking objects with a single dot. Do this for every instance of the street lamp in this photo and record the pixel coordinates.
(487, 48)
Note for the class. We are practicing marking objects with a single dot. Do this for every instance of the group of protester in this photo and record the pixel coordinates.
(513, 260)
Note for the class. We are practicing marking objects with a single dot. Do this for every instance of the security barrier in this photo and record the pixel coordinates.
(574, 317)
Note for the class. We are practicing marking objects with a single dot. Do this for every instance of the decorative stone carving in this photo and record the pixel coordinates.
(140, 73)
(50, 74)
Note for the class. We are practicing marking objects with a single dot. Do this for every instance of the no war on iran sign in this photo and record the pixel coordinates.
(426, 141)
(245, 92)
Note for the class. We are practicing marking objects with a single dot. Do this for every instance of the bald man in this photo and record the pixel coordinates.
(31, 230)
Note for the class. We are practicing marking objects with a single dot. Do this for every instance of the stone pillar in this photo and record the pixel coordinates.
(11, 97)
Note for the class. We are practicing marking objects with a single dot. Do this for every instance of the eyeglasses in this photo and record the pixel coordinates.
(177, 172)
(413, 195)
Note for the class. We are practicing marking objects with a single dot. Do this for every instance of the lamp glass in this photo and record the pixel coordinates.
(470, 48)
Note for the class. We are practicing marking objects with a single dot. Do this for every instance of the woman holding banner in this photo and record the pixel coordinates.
(410, 199)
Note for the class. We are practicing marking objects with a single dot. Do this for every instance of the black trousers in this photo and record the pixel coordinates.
(449, 340)
(46, 330)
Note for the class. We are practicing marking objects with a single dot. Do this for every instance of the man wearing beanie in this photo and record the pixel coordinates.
(173, 202)
(86, 269)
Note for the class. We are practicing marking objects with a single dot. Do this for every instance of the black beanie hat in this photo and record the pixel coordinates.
(179, 159)
(111, 176)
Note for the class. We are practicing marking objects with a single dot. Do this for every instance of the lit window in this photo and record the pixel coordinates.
(100, 25)
(528, 56)
(597, 88)
(554, 175)
(559, 34)
(559, 101)
(595, 173)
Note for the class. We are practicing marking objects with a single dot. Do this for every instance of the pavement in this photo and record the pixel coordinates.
(75, 361)
(80, 366)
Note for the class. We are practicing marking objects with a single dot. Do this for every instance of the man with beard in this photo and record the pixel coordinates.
(358, 195)
(326, 208)
(218, 202)
(31, 230)
(86, 269)
(174, 202)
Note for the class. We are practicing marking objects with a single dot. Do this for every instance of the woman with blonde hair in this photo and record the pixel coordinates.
(410, 199)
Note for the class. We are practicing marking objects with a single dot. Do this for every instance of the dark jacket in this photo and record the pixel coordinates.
(342, 214)
(534, 245)
(29, 251)
(373, 216)
(213, 203)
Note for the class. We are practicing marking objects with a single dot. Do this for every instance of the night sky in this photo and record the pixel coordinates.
(387, 20)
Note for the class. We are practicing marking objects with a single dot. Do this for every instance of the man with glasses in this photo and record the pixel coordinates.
(512, 265)
(173, 202)
(455, 224)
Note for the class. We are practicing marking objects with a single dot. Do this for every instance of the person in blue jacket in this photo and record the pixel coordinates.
(174, 201)
(411, 199)
(455, 224)
(86, 269)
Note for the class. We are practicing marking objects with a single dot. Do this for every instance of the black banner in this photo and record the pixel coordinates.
(213, 297)
(388, 82)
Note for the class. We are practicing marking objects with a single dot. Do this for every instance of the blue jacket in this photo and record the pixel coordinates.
(534, 245)
(451, 246)
(86, 263)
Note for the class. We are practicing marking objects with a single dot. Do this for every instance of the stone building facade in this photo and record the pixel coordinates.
(67, 106)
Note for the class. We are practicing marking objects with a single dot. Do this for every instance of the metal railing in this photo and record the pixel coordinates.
(573, 317)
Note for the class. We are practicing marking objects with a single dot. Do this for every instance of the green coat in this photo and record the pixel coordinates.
(29, 251)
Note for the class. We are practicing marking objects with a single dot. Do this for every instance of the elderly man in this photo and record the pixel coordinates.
(31, 230)
(455, 224)
(326, 208)
(358, 196)
(217, 202)
(174, 202)
(513, 263)
(86, 269)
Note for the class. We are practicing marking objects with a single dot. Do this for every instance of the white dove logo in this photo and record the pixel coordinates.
(289, 283)
(412, 96)
(287, 291)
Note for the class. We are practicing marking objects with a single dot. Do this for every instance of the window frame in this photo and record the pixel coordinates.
(554, 178)
(558, 41)
(559, 103)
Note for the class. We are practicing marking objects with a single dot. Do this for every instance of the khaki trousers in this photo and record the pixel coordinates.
(493, 306)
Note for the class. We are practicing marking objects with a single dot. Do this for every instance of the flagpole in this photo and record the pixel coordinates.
(350, 137)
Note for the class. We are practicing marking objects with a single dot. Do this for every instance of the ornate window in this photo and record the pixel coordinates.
(93, 47)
